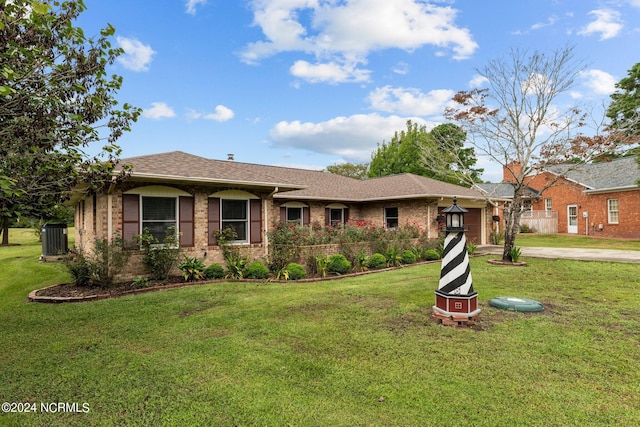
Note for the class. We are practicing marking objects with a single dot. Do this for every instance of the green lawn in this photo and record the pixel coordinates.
(325, 353)
(567, 241)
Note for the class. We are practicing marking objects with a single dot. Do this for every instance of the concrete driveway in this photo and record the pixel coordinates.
(568, 253)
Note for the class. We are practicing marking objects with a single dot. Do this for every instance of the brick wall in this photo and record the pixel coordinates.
(567, 193)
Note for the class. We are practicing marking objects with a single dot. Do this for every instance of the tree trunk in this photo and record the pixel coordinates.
(512, 227)
(5, 231)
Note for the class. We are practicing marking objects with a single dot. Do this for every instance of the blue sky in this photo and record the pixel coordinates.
(309, 83)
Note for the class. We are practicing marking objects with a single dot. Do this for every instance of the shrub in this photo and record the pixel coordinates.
(80, 270)
(495, 237)
(192, 269)
(257, 270)
(322, 265)
(214, 271)
(377, 261)
(408, 257)
(394, 257)
(296, 271)
(159, 258)
(515, 253)
(431, 255)
(100, 267)
(338, 264)
(471, 248)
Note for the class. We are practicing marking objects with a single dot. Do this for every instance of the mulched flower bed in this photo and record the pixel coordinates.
(69, 292)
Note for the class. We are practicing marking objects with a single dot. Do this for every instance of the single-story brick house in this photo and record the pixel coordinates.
(598, 199)
(200, 196)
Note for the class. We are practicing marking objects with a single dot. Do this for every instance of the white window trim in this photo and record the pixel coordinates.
(610, 211)
(177, 207)
(397, 218)
(248, 220)
(299, 221)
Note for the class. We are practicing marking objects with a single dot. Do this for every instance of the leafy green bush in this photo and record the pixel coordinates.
(495, 237)
(80, 269)
(394, 257)
(471, 248)
(257, 270)
(192, 269)
(101, 266)
(431, 255)
(159, 258)
(377, 261)
(296, 271)
(214, 271)
(408, 257)
(338, 264)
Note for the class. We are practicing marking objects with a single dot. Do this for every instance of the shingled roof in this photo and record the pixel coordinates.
(614, 175)
(295, 183)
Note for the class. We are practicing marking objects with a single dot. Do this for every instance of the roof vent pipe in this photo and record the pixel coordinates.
(230, 157)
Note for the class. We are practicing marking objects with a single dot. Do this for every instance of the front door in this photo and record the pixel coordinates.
(572, 217)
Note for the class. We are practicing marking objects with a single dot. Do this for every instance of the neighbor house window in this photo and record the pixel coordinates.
(235, 214)
(547, 206)
(391, 217)
(159, 215)
(612, 207)
(294, 215)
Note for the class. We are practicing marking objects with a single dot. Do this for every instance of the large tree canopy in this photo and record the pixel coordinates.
(55, 100)
(352, 170)
(436, 154)
(624, 110)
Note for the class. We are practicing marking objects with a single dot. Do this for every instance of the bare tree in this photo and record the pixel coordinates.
(518, 122)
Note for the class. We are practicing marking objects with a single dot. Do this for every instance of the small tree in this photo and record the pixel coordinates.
(517, 123)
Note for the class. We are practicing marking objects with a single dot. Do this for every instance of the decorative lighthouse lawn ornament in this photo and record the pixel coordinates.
(456, 301)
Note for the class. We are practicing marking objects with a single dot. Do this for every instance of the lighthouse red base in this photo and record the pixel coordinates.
(455, 309)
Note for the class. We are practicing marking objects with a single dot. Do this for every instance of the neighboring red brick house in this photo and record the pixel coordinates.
(599, 199)
(199, 196)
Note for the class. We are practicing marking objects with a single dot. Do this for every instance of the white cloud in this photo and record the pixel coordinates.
(220, 114)
(352, 138)
(409, 101)
(550, 21)
(191, 5)
(330, 72)
(477, 81)
(634, 3)
(401, 68)
(337, 32)
(137, 55)
(158, 110)
(607, 23)
(600, 82)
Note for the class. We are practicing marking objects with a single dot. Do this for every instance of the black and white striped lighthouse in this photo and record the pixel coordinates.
(456, 301)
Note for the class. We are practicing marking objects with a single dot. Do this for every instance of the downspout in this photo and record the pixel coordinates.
(266, 221)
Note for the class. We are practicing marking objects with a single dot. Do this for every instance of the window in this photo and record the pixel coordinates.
(390, 217)
(158, 209)
(612, 207)
(159, 214)
(294, 215)
(336, 216)
(235, 215)
(547, 206)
